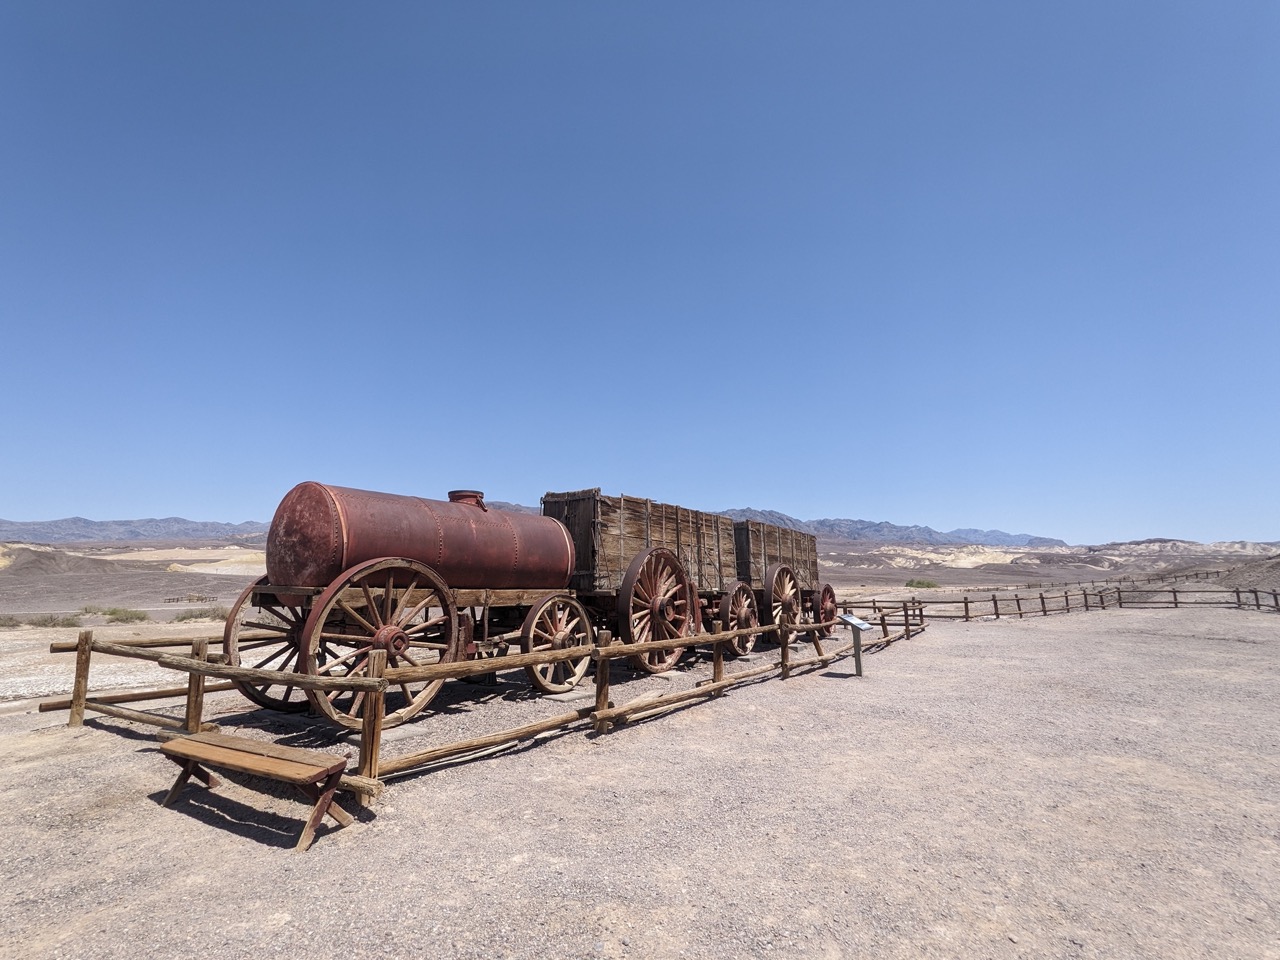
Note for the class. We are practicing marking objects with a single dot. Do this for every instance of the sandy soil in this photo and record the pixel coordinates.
(1094, 785)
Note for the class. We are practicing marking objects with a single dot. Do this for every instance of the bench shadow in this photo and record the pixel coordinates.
(216, 808)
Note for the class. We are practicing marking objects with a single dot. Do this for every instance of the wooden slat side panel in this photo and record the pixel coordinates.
(727, 562)
(609, 532)
(576, 510)
(761, 545)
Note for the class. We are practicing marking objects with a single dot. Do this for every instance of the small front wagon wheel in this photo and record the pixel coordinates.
(263, 633)
(825, 609)
(557, 622)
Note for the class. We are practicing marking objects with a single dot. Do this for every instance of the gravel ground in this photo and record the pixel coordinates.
(1100, 785)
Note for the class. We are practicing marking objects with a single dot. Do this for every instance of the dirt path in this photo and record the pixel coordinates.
(1101, 785)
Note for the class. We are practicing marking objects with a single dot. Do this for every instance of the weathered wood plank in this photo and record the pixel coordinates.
(472, 668)
(302, 681)
(137, 696)
(237, 757)
(436, 754)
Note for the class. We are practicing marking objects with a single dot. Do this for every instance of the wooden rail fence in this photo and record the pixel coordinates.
(971, 607)
(372, 769)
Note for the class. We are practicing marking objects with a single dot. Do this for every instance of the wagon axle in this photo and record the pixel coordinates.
(391, 639)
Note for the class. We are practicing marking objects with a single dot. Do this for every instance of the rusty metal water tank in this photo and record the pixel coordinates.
(320, 530)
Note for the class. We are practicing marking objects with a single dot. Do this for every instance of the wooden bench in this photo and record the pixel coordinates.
(315, 773)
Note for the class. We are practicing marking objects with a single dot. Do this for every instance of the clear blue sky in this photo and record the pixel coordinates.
(1008, 265)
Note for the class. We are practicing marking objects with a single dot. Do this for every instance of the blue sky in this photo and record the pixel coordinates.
(1008, 265)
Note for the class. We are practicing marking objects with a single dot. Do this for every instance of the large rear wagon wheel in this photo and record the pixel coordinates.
(782, 600)
(263, 633)
(738, 612)
(557, 622)
(656, 602)
(392, 604)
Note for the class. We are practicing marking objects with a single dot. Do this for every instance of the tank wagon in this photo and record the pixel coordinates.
(431, 581)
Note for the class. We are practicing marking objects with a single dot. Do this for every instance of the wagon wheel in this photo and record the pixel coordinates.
(655, 602)
(737, 612)
(782, 598)
(393, 604)
(279, 651)
(824, 608)
(554, 623)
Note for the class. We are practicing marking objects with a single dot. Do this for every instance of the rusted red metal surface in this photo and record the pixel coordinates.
(320, 530)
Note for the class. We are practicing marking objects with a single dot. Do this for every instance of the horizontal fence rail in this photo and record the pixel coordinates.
(975, 607)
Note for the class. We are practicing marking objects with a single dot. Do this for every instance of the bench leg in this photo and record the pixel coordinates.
(190, 768)
(323, 796)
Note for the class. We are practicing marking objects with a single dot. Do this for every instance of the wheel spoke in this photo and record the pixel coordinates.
(346, 608)
(426, 625)
(283, 650)
(263, 625)
(328, 667)
(370, 605)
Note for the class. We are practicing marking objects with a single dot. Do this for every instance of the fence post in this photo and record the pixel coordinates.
(784, 638)
(1085, 594)
(1044, 610)
(906, 621)
(717, 655)
(1256, 602)
(603, 639)
(80, 689)
(195, 686)
(966, 609)
(857, 651)
(884, 626)
(995, 605)
(371, 723)
(1174, 591)
(1275, 599)
(1119, 599)
(1237, 598)
(1018, 602)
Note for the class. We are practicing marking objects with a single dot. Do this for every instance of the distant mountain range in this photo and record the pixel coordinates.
(80, 530)
(884, 532)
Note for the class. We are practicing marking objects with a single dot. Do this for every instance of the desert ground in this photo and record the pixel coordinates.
(1083, 785)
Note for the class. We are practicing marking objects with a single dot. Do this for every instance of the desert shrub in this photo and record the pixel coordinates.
(54, 620)
(204, 613)
(125, 615)
(90, 610)
(9, 621)
(922, 584)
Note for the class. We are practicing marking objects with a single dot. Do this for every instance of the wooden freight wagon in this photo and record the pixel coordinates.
(781, 564)
(652, 570)
(610, 532)
(761, 545)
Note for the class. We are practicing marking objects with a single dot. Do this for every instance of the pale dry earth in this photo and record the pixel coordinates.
(1092, 785)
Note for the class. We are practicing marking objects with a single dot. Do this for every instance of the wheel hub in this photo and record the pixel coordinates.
(391, 639)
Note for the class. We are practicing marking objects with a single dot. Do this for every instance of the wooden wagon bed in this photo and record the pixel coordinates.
(760, 545)
(609, 532)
